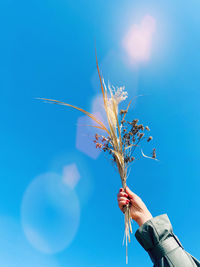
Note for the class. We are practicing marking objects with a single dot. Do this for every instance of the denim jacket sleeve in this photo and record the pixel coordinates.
(164, 248)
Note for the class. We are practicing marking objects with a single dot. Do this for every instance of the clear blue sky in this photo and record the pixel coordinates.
(47, 49)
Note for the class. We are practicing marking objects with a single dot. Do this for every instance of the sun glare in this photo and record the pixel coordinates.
(137, 41)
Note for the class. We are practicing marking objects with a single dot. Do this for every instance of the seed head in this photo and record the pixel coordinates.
(98, 145)
(150, 138)
(141, 127)
(154, 153)
(141, 135)
(104, 139)
(134, 122)
(123, 112)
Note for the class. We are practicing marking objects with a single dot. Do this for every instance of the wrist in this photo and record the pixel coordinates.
(144, 218)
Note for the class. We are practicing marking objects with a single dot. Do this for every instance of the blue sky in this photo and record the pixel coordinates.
(48, 50)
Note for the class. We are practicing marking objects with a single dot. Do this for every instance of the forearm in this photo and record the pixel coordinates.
(157, 238)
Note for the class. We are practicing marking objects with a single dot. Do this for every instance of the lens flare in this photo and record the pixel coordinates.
(85, 136)
(98, 109)
(50, 213)
(138, 40)
(16, 251)
(71, 175)
(84, 186)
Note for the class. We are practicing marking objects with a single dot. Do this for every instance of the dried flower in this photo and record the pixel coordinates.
(104, 139)
(134, 122)
(154, 153)
(141, 135)
(118, 94)
(150, 138)
(98, 145)
(122, 112)
(141, 127)
(96, 136)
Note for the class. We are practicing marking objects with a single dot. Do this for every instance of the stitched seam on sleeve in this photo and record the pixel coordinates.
(169, 260)
(190, 258)
(155, 231)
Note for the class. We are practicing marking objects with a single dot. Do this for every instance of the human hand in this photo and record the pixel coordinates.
(138, 209)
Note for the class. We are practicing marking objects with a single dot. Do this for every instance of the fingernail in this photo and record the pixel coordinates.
(127, 201)
(120, 190)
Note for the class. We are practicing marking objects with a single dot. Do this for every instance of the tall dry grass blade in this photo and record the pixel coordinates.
(130, 226)
(98, 127)
(102, 88)
(126, 110)
(118, 127)
(80, 109)
(105, 100)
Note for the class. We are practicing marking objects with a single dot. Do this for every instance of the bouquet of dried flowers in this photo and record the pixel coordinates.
(121, 137)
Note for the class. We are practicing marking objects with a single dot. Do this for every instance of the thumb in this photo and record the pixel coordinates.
(129, 192)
